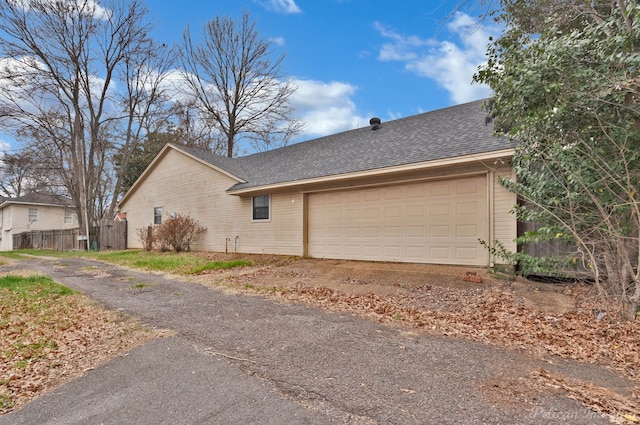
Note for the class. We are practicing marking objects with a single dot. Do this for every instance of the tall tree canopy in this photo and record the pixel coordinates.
(78, 81)
(565, 77)
(238, 86)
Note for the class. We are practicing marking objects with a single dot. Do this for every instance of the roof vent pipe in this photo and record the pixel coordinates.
(375, 123)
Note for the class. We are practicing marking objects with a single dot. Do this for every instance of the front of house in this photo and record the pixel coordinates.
(422, 189)
(34, 212)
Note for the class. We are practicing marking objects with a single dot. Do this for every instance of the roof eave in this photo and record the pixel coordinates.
(479, 157)
(39, 204)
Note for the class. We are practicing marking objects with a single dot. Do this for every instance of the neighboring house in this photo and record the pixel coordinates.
(420, 189)
(34, 212)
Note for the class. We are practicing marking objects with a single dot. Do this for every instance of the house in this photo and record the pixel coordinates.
(33, 212)
(420, 189)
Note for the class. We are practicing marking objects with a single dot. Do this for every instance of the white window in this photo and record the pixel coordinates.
(157, 215)
(68, 216)
(261, 208)
(33, 214)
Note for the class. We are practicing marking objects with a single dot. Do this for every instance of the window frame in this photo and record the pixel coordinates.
(157, 215)
(33, 215)
(254, 208)
(68, 217)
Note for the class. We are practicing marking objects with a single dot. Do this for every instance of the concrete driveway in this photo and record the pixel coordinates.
(240, 359)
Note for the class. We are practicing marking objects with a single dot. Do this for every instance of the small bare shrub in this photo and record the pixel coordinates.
(177, 233)
(147, 236)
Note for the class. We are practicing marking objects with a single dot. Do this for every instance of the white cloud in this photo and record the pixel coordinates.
(4, 148)
(323, 107)
(86, 8)
(280, 6)
(279, 41)
(326, 108)
(451, 64)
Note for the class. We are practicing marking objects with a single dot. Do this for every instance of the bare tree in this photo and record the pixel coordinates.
(145, 105)
(59, 82)
(197, 131)
(237, 85)
(15, 174)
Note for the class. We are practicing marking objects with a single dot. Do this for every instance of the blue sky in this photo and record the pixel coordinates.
(355, 59)
(351, 59)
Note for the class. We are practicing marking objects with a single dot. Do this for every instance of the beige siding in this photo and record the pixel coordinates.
(505, 223)
(49, 218)
(15, 220)
(182, 185)
(282, 234)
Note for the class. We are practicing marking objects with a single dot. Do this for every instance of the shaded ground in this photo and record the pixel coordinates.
(319, 361)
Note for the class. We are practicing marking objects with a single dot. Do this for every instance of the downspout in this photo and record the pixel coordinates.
(491, 178)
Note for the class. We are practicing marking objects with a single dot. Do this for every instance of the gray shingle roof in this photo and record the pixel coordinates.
(41, 198)
(445, 133)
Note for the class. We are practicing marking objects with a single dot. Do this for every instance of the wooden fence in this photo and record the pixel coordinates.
(112, 235)
(55, 240)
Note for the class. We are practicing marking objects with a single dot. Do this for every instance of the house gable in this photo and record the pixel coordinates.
(206, 159)
(184, 185)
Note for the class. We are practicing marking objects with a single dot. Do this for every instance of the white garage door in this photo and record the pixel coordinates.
(435, 222)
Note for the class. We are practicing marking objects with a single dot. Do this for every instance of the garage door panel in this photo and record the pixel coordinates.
(467, 187)
(467, 208)
(439, 231)
(371, 252)
(394, 253)
(370, 213)
(439, 253)
(467, 231)
(466, 253)
(415, 231)
(415, 211)
(415, 253)
(434, 222)
(372, 195)
(393, 232)
(439, 210)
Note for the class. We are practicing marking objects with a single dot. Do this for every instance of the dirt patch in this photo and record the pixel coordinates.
(363, 277)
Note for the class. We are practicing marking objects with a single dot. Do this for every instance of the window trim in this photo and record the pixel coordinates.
(68, 217)
(157, 215)
(253, 208)
(33, 217)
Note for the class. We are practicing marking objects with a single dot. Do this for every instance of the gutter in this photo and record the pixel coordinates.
(377, 172)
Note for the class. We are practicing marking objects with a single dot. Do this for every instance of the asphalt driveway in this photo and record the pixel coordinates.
(238, 359)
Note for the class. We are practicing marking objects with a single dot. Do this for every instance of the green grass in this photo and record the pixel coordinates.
(140, 285)
(169, 262)
(11, 254)
(5, 402)
(33, 286)
(220, 265)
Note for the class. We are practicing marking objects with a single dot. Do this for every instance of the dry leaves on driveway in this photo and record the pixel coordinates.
(50, 341)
